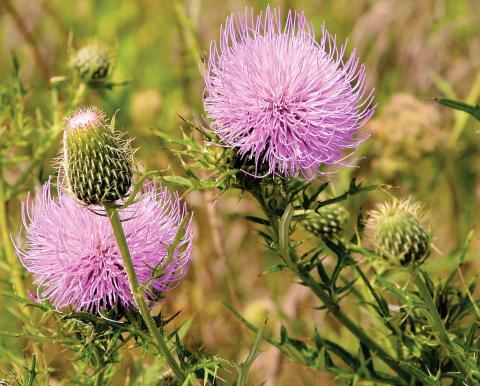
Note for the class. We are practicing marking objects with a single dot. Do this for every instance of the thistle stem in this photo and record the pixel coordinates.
(16, 277)
(138, 293)
(331, 305)
(438, 322)
(98, 378)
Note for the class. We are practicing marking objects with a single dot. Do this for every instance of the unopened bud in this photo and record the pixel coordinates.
(398, 232)
(97, 162)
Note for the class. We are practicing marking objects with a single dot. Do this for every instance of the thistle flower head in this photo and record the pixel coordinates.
(328, 221)
(397, 230)
(94, 61)
(96, 160)
(281, 99)
(73, 256)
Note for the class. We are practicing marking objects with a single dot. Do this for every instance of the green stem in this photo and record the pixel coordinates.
(98, 381)
(332, 306)
(336, 311)
(12, 261)
(438, 323)
(98, 378)
(138, 294)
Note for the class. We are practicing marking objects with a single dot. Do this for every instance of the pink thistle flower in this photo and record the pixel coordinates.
(280, 98)
(73, 255)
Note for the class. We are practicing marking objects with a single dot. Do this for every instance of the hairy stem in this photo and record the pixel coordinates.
(138, 293)
(438, 323)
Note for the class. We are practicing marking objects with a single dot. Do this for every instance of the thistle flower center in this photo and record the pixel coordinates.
(279, 106)
(83, 119)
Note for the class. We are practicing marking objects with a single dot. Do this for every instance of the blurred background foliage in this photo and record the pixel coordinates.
(414, 51)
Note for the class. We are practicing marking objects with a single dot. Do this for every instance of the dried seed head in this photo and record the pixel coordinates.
(94, 62)
(96, 161)
(398, 232)
(328, 221)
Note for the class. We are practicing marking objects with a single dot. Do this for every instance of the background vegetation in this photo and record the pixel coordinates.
(414, 51)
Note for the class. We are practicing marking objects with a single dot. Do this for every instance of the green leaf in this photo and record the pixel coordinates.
(284, 232)
(178, 180)
(31, 373)
(275, 268)
(258, 220)
(244, 367)
(419, 374)
(462, 106)
(186, 141)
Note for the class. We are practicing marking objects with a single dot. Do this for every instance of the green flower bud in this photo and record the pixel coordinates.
(94, 62)
(329, 221)
(97, 162)
(397, 231)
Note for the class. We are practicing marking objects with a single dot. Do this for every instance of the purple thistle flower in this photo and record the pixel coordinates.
(73, 255)
(282, 99)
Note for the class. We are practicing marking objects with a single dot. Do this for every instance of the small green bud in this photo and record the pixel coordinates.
(94, 62)
(328, 221)
(97, 162)
(397, 232)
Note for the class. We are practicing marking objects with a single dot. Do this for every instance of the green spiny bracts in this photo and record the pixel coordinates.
(398, 233)
(97, 162)
(328, 221)
(94, 62)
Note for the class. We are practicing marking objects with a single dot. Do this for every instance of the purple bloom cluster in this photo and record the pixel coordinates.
(282, 99)
(73, 254)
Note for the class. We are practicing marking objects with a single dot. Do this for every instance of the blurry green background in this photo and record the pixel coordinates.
(414, 50)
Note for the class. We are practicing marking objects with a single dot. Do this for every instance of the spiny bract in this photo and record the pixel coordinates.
(281, 99)
(398, 232)
(94, 62)
(328, 221)
(97, 162)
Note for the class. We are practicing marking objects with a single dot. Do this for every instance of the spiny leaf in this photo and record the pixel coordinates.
(419, 374)
(258, 220)
(244, 367)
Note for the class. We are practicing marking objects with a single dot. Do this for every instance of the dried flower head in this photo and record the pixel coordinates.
(398, 232)
(96, 160)
(73, 255)
(94, 61)
(407, 131)
(282, 99)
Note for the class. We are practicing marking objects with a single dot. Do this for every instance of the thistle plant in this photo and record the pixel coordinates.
(276, 135)
(94, 62)
(284, 111)
(99, 170)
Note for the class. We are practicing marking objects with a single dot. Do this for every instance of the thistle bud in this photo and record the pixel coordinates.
(398, 232)
(328, 221)
(94, 62)
(97, 162)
